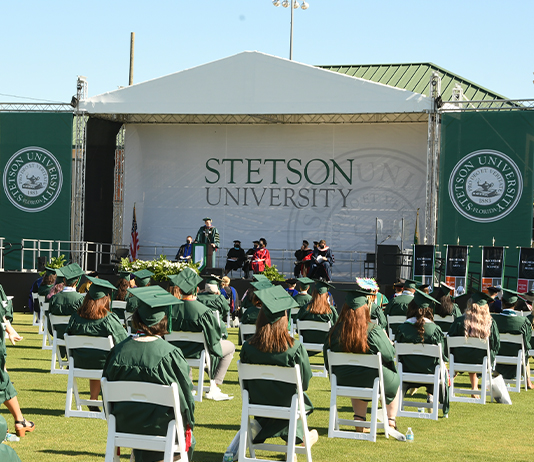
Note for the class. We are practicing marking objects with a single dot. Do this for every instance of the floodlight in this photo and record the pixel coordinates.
(295, 4)
(304, 5)
(285, 3)
(276, 2)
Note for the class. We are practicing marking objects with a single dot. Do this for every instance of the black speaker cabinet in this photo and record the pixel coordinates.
(388, 264)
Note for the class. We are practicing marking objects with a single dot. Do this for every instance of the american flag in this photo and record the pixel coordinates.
(134, 244)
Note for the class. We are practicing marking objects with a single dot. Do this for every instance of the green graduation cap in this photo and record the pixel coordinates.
(71, 273)
(142, 277)
(305, 282)
(187, 281)
(259, 285)
(410, 284)
(49, 271)
(509, 296)
(480, 298)
(276, 301)
(260, 277)
(125, 275)
(422, 299)
(212, 279)
(172, 279)
(154, 304)
(100, 288)
(356, 298)
(322, 287)
(206, 219)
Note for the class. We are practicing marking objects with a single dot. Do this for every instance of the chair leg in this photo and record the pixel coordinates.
(292, 432)
(68, 402)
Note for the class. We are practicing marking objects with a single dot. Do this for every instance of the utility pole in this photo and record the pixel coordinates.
(132, 41)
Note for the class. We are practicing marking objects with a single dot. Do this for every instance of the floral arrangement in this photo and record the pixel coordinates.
(161, 267)
(272, 274)
(55, 262)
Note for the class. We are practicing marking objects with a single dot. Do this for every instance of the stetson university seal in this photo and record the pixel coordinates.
(485, 186)
(32, 179)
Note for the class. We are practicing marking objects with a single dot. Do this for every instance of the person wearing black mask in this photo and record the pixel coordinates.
(250, 253)
(322, 261)
(185, 251)
(235, 258)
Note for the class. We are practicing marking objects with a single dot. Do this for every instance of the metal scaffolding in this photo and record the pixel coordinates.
(118, 187)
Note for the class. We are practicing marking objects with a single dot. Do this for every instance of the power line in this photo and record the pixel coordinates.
(28, 97)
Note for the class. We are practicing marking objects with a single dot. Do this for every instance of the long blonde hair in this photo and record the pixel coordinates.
(477, 322)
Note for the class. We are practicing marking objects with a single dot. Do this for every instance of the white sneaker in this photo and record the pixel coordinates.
(313, 437)
(216, 394)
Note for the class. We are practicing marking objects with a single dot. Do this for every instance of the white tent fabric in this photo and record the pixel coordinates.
(257, 83)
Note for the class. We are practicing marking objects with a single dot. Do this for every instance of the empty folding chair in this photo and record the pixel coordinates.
(304, 327)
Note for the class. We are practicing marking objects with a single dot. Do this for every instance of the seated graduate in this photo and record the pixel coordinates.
(495, 304)
(319, 309)
(235, 258)
(303, 297)
(94, 319)
(7, 453)
(250, 316)
(476, 322)
(419, 327)
(445, 307)
(510, 322)
(291, 284)
(121, 293)
(399, 305)
(146, 357)
(193, 316)
(230, 294)
(272, 345)
(49, 281)
(355, 333)
(142, 279)
(377, 313)
(211, 297)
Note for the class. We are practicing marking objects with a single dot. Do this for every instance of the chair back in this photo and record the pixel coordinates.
(73, 342)
(420, 349)
(444, 322)
(394, 321)
(246, 329)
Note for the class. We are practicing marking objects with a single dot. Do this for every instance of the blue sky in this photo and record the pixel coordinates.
(45, 45)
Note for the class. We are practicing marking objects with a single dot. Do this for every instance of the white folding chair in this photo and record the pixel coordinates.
(151, 393)
(47, 337)
(42, 316)
(75, 342)
(483, 368)
(379, 417)
(315, 347)
(246, 329)
(127, 322)
(444, 322)
(36, 310)
(517, 360)
(294, 413)
(56, 320)
(438, 379)
(119, 308)
(531, 354)
(394, 320)
(293, 324)
(202, 363)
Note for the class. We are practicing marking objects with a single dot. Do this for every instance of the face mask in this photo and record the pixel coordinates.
(236, 247)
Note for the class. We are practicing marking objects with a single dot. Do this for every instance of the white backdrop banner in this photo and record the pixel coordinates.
(284, 183)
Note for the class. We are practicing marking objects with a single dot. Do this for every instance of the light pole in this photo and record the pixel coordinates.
(294, 5)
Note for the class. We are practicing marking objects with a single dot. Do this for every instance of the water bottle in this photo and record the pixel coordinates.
(11, 437)
(228, 457)
(409, 435)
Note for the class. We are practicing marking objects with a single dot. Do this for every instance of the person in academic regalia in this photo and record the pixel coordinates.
(322, 261)
(261, 258)
(193, 316)
(247, 266)
(495, 305)
(252, 305)
(84, 288)
(209, 235)
(235, 258)
(66, 302)
(445, 307)
(476, 322)
(398, 286)
(94, 319)
(230, 294)
(355, 333)
(49, 281)
(510, 322)
(419, 327)
(291, 284)
(185, 251)
(370, 286)
(146, 357)
(7, 453)
(303, 258)
(303, 297)
(142, 279)
(272, 345)
(212, 298)
(318, 309)
(399, 305)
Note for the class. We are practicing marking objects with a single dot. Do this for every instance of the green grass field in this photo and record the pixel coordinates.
(492, 432)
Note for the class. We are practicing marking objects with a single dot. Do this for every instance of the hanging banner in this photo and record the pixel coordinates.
(36, 161)
(492, 267)
(456, 267)
(486, 176)
(525, 270)
(423, 264)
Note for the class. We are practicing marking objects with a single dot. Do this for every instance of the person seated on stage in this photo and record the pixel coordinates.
(261, 258)
(84, 288)
(193, 316)
(235, 258)
(146, 357)
(303, 259)
(322, 261)
(49, 281)
(510, 321)
(419, 327)
(291, 284)
(247, 265)
(141, 279)
(355, 333)
(272, 345)
(318, 309)
(209, 235)
(95, 319)
(185, 251)
(445, 307)
(212, 298)
(370, 286)
(495, 305)
(476, 322)
(66, 302)
(7, 453)
(398, 286)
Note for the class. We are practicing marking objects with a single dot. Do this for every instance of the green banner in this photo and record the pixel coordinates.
(36, 163)
(486, 193)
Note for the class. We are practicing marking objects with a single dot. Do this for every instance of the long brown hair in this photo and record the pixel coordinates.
(420, 314)
(319, 303)
(122, 286)
(94, 309)
(477, 321)
(49, 279)
(445, 307)
(352, 325)
(271, 338)
(161, 328)
(175, 290)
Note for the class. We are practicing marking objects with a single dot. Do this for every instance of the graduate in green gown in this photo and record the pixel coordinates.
(272, 345)
(146, 357)
(49, 281)
(375, 300)
(476, 322)
(121, 292)
(250, 316)
(445, 307)
(303, 297)
(419, 327)
(399, 305)
(319, 309)
(7, 453)
(142, 279)
(94, 319)
(212, 298)
(510, 322)
(355, 333)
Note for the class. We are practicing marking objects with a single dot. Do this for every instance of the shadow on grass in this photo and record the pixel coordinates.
(218, 426)
(60, 392)
(73, 453)
(205, 456)
(41, 411)
(26, 369)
